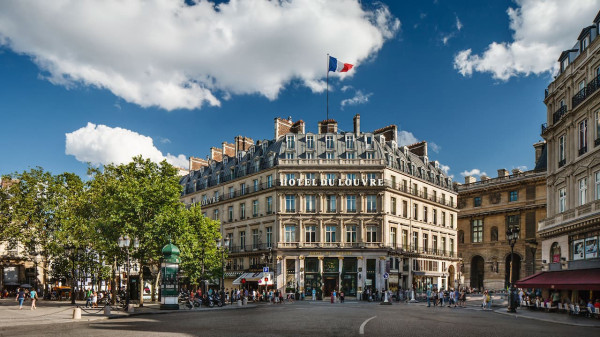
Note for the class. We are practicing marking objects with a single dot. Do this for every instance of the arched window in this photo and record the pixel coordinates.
(494, 234)
(555, 253)
(461, 236)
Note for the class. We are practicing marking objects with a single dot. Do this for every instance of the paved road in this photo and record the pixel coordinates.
(314, 319)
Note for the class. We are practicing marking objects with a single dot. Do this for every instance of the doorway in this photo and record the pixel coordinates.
(330, 284)
(477, 269)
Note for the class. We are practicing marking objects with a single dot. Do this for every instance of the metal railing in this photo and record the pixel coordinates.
(558, 114)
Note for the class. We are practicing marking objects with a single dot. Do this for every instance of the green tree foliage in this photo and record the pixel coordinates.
(201, 260)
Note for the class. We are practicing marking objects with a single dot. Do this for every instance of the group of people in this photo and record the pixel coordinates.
(450, 297)
(23, 294)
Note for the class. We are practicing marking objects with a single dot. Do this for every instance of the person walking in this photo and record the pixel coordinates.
(314, 294)
(33, 296)
(20, 298)
(333, 294)
(341, 296)
(428, 297)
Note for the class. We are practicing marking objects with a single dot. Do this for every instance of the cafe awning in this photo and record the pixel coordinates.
(255, 277)
(579, 279)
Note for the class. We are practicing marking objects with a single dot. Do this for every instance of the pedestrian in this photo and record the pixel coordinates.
(94, 299)
(33, 296)
(333, 296)
(314, 294)
(88, 298)
(428, 297)
(20, 298)
(342, 296)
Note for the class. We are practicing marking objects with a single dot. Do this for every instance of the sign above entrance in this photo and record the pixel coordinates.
(332, 182)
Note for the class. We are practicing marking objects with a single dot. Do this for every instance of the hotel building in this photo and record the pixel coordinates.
(329, 210)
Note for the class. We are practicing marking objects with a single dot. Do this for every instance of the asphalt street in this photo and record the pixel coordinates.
(313, 319)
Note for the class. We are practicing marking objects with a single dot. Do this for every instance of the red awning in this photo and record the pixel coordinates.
(580, 279)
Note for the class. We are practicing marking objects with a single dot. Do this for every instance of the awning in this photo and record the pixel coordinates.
(578, 279)
(255, 277)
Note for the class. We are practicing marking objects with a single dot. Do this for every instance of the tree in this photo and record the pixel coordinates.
(200, 259)
(137, 199)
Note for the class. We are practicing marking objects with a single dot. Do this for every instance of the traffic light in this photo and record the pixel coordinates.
(243, 281)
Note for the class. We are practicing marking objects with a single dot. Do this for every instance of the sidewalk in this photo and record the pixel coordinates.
(553, 317)
(51, 312)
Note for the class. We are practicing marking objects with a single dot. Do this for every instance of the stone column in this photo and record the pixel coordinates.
(301, 268)
(341, 265)
(321, 273)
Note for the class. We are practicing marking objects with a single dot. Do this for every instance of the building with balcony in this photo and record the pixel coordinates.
(330, 210)
(487, 207)
(571, 229)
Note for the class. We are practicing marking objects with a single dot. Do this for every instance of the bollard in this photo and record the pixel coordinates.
(77, 313)
(130, 308)
(239, 303)
(245, 301)
(107, 310)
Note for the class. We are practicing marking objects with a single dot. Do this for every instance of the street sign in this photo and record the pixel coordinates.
(385, 276)
(265, 269)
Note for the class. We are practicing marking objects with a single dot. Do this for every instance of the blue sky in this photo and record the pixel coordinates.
(481, 108)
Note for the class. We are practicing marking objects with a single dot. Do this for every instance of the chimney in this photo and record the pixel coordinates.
(197, 163)
(470, 180)
(282, 126)
(516, 171)
(298, 127)
(502, 173)
(242, 144)
(420, 148)
(390, 132)
(327, 126)
(539, 147)
(484, 178)
(228, 149)
(357, 125)
(216, 154)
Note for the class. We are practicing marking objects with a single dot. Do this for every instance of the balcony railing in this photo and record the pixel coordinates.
(562, 163)
(558, 114)
(249, 248)
(586, 92)
(583, 150)
(544, 127)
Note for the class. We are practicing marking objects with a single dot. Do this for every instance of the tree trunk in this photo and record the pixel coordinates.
(155, 287)
(113, 283)
(141, 273)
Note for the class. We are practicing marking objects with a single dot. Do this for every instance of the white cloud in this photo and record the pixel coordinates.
(165, 140)
(541, 31)
(359, 98)
(165, 53)
(101, 144)
(522, 168)
(406, 138)
(473, 173)
(346, 88)
(446, 38)
(459, 24)
(434, 147)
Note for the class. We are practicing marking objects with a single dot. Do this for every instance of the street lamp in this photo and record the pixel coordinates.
(72, 251)
(512, 234)
(124, 242)
(222, 249)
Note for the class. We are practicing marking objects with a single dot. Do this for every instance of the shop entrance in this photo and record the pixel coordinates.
(330, 283)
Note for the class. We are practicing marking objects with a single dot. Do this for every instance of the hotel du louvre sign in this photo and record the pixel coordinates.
(331, 182)
(316, 183)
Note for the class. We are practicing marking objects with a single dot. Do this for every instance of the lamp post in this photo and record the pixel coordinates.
(124, 242)
(222, 249)
(512, 234)
(72, 251)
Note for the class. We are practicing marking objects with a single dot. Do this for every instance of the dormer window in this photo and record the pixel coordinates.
(225, 160)
(265, 145)
(251, 150)
(290, 142)
(349, 142)
(329, 142)
(240, 155)
(310, 142)
(369, 141)
(585, 42)
(564, 63)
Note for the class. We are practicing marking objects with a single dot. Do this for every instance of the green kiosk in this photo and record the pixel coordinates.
(169, 290)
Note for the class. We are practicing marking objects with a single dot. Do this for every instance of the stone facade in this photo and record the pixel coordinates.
(571, 230)
(332, 210)
(486, 207)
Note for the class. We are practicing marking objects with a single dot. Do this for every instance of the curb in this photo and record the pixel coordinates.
(167, 312)
(546, 320)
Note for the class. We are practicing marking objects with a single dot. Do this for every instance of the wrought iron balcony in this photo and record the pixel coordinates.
(562, 163)
(583, 150)
(559, 113)
(544, 127)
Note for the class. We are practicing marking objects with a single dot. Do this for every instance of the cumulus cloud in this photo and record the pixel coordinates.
(406, 138)
(473, 173)
(169, 54)
(541, 31)
(359, 98)
(434, 147)
(101, 144)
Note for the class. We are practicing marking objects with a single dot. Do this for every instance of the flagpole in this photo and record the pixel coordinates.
(327, 86)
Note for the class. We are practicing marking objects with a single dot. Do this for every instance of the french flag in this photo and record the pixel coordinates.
(337, 66)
